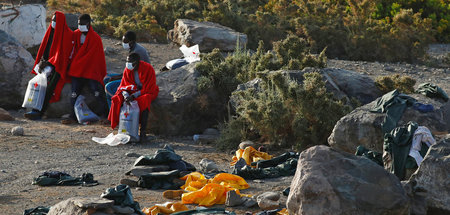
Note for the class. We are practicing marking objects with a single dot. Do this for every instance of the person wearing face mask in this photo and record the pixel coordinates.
(53, 60)
(88, 67)
(138, 83)
(129, 43)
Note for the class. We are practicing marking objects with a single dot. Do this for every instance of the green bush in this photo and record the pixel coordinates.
(392, 30)
(285, 113)
(404, 84)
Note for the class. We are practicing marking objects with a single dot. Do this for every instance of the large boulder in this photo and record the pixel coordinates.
(179, 108)
(207, 35)
(433, 176)
(15, 66)
(362, 127)
(26, 23)
(344, 84)
(328, 181)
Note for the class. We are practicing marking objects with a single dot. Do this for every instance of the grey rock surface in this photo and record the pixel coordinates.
(328, 181)
(362, 127)
(207, 35)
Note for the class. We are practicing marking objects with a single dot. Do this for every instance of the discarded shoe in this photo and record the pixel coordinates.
(33, 115)
(129, 182)
(173, 194)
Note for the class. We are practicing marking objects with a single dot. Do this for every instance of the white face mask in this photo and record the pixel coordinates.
(126, 45)
(129, 66)
(53, 24)
(83, 28)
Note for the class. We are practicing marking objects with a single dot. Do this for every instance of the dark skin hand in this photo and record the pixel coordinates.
(126, 40)
(84, 22)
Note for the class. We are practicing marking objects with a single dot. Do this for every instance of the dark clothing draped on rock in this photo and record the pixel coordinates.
(432, 91)
(393, 104)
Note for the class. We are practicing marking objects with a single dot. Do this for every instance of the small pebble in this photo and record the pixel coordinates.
(17, 131)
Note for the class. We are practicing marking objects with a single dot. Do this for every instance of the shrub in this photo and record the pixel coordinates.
(404, 84)
(283, 112)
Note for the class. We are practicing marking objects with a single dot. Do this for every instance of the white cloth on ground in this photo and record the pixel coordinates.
(112, 139)
(421, 135)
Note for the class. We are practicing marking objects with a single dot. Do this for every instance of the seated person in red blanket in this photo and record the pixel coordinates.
(88, 65)
(53, 60)
(138, 83)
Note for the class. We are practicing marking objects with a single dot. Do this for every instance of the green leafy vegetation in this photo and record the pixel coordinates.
(393, 30)
(404, 84)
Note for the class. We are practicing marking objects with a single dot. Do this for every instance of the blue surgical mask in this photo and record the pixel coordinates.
(129, 66)
(126, 45)
(83, 28)
(53, 24)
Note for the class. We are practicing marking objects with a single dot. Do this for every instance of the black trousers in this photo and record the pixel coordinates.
(96, 90)
(143, 118)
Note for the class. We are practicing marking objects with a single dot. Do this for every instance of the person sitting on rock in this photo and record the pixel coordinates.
(140, 75)
(88, 65)
(112, 81)
(53, 60)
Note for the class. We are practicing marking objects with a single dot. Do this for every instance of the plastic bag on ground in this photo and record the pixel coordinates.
(112, 140)
(129, 119)
(191, 54)
(35, 94)
(82, 111)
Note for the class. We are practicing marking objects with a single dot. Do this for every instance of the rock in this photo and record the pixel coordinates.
(362, 127)
(143, 170)
(15, 66)
(416, 198)
(5, 116)
(267, 204)
(207, 35)
(268, 200)
(17, 131)
(274, 196)
(249, 202)
(205, 138)
(72, 20)
(246, 144)
(208, 166)
(179, 108)
(352, 84)
(432, 176)
(233, 199)
(328, 181)
(81, 206)
(28, 27)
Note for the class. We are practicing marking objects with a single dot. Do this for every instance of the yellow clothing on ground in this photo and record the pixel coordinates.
(166, 208)
(208, 192)
(250, 155)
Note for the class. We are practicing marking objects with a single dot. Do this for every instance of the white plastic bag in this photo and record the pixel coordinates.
(82, 111)
(35, 94)
(129, 119)
(191, 54)
(112, 140)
